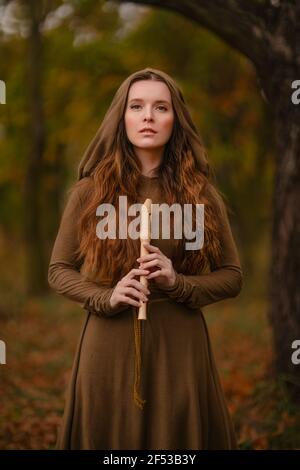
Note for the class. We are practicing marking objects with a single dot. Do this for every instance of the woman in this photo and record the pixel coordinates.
(149, 384)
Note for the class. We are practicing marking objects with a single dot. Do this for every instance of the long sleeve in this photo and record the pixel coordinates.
(222, 282)
(63, 272)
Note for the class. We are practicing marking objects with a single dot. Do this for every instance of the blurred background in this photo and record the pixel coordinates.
(62, 62)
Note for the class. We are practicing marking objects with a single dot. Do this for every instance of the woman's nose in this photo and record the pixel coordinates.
(148, 115)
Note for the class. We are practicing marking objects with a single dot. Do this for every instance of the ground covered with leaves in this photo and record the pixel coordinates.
(41, 338)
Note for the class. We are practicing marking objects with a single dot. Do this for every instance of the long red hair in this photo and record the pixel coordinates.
(115, 170)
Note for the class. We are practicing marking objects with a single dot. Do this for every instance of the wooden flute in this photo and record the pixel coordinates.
(145, 237)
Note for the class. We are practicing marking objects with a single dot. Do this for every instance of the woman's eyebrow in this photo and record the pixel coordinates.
(157, 101)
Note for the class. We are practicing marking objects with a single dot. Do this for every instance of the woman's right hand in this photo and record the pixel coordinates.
(128, 286)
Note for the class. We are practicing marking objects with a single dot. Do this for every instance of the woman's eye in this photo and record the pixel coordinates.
(135, 105)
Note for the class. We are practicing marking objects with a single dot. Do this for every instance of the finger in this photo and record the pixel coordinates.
(136, 272)
(137, 285)
(155, 262)
(128, 300)
(157, 273)
(151, 248)
(149, 257)
(135, 293)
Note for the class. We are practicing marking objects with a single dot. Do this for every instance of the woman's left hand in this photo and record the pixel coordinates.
(165, 275)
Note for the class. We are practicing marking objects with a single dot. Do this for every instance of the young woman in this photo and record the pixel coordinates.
(145, 384)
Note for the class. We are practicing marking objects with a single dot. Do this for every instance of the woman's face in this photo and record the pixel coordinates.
(149, 104)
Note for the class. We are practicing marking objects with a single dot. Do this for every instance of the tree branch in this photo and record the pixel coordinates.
(241, 23)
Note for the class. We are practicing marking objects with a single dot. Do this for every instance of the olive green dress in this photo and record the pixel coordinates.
(144, 384)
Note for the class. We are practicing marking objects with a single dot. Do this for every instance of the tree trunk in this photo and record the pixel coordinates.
(56, 172)
(35, 262)
(284, 313)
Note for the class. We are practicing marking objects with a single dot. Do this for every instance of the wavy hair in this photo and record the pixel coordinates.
(114, 170)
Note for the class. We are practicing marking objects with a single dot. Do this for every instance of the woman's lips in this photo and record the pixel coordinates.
(148, 132)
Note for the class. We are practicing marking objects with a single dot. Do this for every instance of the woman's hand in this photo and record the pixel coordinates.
(165, 275)
(128, 286)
